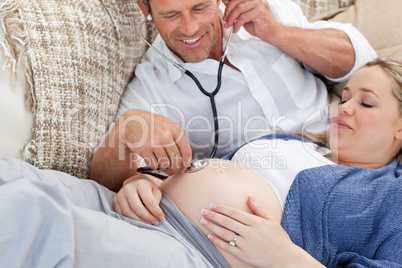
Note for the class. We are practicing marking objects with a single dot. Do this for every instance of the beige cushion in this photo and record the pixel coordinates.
(313, 7)
(80, 56)
(379, 21)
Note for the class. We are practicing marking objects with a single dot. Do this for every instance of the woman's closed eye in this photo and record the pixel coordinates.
(364, 104)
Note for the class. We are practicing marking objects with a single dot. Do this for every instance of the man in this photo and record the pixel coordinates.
(267, 84)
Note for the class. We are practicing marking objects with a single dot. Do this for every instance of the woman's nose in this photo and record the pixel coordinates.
(346, 108)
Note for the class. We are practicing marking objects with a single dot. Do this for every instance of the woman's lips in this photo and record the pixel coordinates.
(343, 125)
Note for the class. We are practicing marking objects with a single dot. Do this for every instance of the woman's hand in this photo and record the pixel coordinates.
(139, 199)
(261, 241)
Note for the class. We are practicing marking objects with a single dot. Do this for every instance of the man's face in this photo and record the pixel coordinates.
(190, 28)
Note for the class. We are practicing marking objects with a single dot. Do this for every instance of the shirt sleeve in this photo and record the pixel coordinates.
(290, 14)
(363, 50)
(134, 98)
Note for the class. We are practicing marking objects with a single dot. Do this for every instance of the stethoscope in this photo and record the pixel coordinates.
(198, 164)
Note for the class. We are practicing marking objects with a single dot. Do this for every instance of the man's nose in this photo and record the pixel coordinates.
(189, 25)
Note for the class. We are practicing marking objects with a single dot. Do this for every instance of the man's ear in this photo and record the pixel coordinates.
(143, 8)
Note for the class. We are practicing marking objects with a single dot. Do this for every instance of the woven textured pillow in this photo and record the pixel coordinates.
(80, 54)
(313, 7)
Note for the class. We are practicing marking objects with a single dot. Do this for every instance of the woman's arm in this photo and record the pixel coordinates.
(262, 242)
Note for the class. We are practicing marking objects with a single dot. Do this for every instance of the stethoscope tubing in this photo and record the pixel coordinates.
(211, 95)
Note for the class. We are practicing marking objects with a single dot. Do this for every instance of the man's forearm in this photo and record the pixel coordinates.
(111, 169)
(328, 51)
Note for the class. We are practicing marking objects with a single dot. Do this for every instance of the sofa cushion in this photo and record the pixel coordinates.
(313, 7)
(379, 21)
(80, 56)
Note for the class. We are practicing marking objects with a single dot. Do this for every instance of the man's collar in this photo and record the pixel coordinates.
(175, 74)
(204, 66)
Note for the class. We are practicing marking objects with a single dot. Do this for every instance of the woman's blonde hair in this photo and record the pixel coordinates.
(394, 69)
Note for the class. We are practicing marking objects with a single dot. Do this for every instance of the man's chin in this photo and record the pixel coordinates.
(193, 56)
(192, 59)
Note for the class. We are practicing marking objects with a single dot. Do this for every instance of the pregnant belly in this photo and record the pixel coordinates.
(223, 182)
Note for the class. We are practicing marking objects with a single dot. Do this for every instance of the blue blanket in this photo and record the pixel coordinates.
(346, 216)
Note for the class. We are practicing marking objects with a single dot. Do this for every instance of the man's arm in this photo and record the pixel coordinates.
(110, 167)
(158, 140)
(328, 51)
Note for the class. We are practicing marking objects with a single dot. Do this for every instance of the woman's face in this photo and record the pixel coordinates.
(366, 126)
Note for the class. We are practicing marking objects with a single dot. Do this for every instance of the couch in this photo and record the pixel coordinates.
(65, 65)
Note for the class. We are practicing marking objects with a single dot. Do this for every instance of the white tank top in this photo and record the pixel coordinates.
(279, 161)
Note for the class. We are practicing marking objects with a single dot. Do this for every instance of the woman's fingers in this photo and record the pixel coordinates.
(225, 221)
(234, 250)
(261, 241)
(151, 201)
(231, 212)
(139, 199)
(222, 237)
(257, 209)
(222, 226)
(121, 206)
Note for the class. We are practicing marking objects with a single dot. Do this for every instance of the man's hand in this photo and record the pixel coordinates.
(158, 140)
(155, 138)
(255, 16)
(139, 199)
(329, 51)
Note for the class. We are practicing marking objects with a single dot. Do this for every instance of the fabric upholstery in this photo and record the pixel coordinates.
(313, 7)
(379, 21)
(79, 57)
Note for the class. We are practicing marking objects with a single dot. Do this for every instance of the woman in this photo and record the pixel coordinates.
(365, 138)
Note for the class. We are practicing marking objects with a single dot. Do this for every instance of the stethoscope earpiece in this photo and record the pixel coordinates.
(149, 18)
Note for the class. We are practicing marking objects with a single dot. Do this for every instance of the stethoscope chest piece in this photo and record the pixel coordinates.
(161, 174)
(197, 165)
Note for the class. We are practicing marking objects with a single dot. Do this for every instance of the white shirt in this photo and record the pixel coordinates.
(279, 161)
(272, 91)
